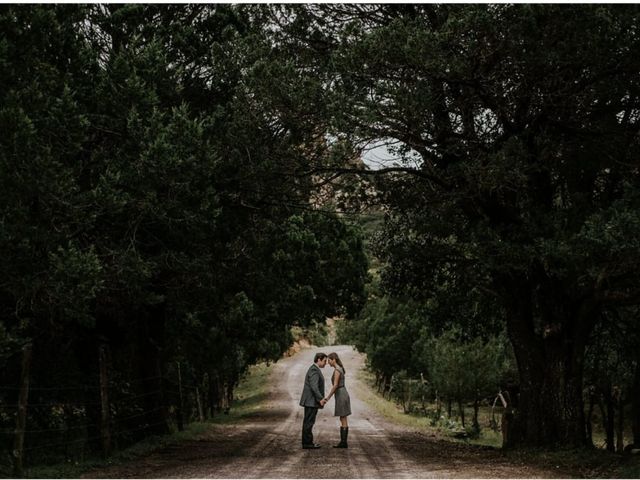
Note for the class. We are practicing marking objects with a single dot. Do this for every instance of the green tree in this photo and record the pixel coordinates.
(385, 330)
(463, 370)
(611, 375)
(522, 121)
(146, 206)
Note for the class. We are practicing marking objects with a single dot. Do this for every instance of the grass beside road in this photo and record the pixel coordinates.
(73, 469)
(582, 463)
(249, 398)
(441, 428)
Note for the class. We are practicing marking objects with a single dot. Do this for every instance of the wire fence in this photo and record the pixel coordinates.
(65, 420)
(72, 417)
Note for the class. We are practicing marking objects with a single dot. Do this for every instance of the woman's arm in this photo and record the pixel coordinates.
(336, 381)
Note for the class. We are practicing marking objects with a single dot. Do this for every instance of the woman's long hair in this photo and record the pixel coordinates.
(334, 356)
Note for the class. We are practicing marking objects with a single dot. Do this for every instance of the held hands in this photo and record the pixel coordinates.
(323, 402)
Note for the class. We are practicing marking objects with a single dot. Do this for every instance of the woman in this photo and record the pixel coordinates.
(343, 402)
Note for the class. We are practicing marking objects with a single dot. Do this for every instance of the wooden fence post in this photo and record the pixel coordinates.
(21, 420)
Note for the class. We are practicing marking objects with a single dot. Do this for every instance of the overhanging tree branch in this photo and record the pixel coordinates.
(338, 171)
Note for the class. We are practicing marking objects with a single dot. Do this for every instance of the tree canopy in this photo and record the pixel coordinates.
(516, 129)
(145, 206)
(165, 171)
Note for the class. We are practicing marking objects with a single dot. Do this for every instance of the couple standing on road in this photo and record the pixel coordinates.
(313, 398)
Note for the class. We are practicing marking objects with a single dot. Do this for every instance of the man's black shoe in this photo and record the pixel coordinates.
(313, 445)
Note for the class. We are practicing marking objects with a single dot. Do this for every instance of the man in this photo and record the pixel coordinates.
(312, 398)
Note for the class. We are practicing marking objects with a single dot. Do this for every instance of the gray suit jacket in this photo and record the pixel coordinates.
(313, 390)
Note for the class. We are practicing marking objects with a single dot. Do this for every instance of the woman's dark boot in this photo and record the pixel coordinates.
(344, 432)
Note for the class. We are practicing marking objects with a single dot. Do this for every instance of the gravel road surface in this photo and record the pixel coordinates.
(268, 445)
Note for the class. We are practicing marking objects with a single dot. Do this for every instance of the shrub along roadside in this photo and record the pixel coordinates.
(438, 427)
(592, 463)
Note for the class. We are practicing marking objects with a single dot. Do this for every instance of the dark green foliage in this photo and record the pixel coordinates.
(518, 182)
(463, 371)
(612, 377)
(416, 358)
(145, 204)
(159, 167)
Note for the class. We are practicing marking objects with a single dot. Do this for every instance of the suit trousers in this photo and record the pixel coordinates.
(307, 425)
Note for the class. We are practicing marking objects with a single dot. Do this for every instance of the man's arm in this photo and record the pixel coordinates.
(314, 381)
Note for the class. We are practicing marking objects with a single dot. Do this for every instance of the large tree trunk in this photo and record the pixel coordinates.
(21, 416)
(589, 419)
(549, 336)
(206, 391)
(620, 430)
(214, 393)
(476, 407)
(180, 409)
(605, 403)
(150, 345)
(635, 408)
(105, 406)
(461, 410)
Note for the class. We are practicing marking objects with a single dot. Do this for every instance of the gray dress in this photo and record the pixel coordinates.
(343, 402)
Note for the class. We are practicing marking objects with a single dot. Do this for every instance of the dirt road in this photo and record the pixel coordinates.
(268, 444)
